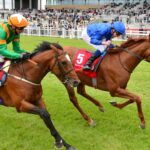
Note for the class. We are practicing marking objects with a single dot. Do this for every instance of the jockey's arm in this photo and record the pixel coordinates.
(16, 45)
(95, 41)
(7, 53)
(3, 48)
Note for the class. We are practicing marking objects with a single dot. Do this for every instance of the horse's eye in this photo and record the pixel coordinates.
(64, 63)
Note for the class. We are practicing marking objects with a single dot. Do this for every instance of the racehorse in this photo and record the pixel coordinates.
(23, 89)
(113, 75)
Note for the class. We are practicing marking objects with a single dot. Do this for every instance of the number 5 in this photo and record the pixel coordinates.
(80, 58)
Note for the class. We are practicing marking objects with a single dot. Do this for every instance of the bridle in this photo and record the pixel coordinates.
(57, 62)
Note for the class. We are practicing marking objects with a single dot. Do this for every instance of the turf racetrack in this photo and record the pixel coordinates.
(115, 129)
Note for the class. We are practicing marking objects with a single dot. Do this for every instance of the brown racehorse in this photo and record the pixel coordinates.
(23, 89)
(113, 75)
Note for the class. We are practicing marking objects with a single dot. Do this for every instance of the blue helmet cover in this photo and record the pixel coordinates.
(119, 27)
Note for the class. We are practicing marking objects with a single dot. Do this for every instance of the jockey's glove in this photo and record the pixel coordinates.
(113, 46)
(24, 56)
(107, 43)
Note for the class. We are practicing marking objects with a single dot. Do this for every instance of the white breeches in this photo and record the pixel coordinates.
(87, 39)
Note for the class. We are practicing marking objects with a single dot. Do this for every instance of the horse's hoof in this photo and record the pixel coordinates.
(113, 103)
(91, 123)
(142, 126)
(70, 148)
(59, 144)
(101, 109)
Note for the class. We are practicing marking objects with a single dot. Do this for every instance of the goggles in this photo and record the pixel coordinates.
(20, 28)
(118, 33)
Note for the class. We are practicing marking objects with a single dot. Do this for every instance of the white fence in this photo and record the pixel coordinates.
(72, 33)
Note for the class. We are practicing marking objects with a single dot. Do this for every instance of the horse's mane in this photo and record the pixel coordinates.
(44, 46)
(128, 43)
(131, 42)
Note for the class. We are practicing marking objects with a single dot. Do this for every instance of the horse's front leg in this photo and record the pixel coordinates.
(44, 114)
(74, 100)
(123, 93)
(81, 91)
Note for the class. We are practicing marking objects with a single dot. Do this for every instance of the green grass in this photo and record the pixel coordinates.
(115, 129)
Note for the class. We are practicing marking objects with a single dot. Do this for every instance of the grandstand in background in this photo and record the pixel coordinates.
(88, 2)
(49, 4)
(22, 4)
(85, 4)
(68, 18)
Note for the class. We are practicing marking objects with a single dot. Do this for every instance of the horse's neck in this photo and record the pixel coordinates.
(33, 70)
(132, 58)
(42, 61)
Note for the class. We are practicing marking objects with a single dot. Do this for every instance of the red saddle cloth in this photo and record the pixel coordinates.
(1, 71)
(3, 75)
(80, 60)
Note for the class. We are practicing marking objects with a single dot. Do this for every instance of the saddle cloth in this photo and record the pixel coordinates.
(81, 58)
(4, 67)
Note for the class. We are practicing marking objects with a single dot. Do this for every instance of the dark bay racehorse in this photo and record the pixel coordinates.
(113, 75)
(23, 89)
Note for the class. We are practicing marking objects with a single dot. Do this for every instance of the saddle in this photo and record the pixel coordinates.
(80, 60)
(4, 67)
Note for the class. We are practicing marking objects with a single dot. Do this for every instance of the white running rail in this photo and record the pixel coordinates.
(75, 33)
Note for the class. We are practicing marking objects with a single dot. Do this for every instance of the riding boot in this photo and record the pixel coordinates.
(95, 55)
(87, 66)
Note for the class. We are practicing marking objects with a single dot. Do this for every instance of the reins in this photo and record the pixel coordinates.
(125, 67)
(132, 54)
(23, 79)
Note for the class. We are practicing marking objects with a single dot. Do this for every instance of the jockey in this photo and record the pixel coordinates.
(10, 32)
(99, 36)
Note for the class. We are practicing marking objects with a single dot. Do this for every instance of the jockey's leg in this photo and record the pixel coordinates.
(94, 56)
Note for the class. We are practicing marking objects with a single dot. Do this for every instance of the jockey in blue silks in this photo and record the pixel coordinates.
(99, 36)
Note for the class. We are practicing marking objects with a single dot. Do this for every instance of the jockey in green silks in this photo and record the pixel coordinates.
(10, 32)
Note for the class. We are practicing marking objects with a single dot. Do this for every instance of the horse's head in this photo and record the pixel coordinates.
(51, 57)
(62, 67)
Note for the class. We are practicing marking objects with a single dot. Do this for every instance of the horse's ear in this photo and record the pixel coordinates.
(53, 47)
